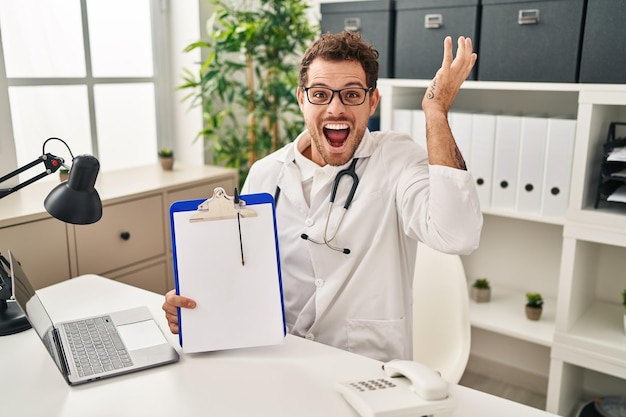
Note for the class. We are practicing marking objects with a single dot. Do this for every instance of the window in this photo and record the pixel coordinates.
(91, 72)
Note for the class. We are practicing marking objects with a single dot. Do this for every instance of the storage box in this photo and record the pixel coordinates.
(602, 58)
(421, 27)
(530, 40)
(373, 19)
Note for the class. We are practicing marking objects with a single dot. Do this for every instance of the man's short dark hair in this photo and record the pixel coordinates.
(344, 46)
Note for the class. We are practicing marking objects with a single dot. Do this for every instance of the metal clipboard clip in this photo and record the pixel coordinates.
(221, 206)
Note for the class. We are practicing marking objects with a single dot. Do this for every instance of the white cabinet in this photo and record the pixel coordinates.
(41, 248)
(577, 261)
(129, 231)
(131, 243)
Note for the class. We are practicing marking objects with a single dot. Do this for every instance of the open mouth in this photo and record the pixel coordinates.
(336, 134)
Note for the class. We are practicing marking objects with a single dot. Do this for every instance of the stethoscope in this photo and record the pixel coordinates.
(351, 172)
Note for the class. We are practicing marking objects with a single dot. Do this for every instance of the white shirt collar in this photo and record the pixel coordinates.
(313, 176)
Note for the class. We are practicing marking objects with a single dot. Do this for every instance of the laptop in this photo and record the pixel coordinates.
(93, 348)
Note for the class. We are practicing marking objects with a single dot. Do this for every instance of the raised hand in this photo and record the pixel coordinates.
(443, 89)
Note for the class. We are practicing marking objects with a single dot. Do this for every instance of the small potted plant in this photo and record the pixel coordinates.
(534, 305)
(481, 290)
(166, 158)
(64, 174)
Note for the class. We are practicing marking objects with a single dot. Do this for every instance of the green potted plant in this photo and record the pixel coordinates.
(64, 174)
(481, 290)
(166, 158)
(534, 305)
(246, 84)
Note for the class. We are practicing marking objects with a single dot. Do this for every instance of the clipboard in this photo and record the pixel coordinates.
(225, 255)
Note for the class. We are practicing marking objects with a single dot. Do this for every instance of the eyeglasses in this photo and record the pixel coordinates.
(352, 96)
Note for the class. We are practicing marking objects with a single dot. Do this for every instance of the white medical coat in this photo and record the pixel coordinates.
(363, 299)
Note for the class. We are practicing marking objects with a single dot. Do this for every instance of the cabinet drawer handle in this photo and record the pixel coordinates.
(352, 24)
(125, 235)
(433, 21)
(528, 17)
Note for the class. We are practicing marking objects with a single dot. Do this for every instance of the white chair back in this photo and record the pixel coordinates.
(441, 324)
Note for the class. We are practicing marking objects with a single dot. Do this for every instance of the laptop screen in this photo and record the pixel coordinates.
(33, 309)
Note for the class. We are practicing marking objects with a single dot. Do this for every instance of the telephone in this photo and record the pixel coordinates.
(409, 389)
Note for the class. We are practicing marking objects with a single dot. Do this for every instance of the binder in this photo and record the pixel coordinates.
(558, 169)
(419, 128)
(531, 165)
(506, 162)
(480, 163)
(225, 252)
(461, 126)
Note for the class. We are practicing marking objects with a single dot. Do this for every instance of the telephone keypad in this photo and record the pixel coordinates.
(372, 384)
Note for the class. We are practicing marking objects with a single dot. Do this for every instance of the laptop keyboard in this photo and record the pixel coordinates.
(96, 346)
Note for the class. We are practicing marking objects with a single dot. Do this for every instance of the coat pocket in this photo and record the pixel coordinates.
(383, 340)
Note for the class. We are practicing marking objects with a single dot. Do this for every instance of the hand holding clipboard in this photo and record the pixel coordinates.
(238, 304)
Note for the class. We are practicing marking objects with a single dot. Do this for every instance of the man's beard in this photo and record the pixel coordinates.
(336, 159)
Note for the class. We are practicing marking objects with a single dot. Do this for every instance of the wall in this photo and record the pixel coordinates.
(184, 29)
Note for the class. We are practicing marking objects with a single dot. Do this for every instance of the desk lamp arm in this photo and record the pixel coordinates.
(74, 201)
(51, 162)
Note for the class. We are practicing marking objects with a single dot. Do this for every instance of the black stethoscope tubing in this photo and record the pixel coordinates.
(351, 172)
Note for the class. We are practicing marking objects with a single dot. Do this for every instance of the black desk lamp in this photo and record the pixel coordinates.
(74, 201)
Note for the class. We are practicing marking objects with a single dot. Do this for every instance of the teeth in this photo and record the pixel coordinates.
(336, 126)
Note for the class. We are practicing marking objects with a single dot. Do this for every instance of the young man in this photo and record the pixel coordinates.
(347, 273)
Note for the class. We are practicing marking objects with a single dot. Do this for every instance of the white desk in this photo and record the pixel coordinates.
(292, 379)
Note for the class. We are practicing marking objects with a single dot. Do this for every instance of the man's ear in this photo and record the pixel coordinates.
(300, 95)
(374, 99)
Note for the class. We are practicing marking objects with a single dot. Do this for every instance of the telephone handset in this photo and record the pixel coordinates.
(426, 382)
(407, 389)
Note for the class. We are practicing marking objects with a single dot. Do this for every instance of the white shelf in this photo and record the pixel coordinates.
(559, 221)
(600, 332)
(579, 258)
(611, 220)
(616, 89)
(614, 234)
(505, 315)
